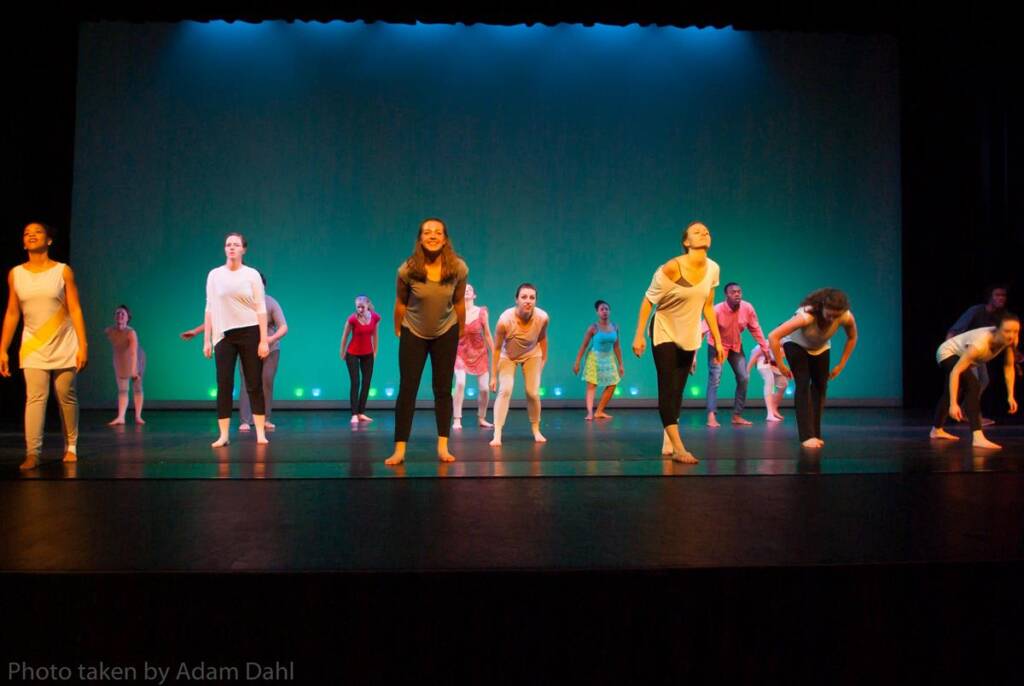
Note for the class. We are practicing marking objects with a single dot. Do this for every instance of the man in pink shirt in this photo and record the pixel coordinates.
(734, 315)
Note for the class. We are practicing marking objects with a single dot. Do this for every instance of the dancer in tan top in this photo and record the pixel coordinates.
(129, 363)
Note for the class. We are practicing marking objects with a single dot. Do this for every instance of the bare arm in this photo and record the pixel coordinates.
(954, 383)
(459, 301)
(618, 355)
(208, 335)
(640, 339)
(1010, 375)
(586, 341)
(487, 331)
(499, 339)
(191, 333)
(850, 325)
(797, 321)
(133, 350)
(753, 359)
(344, 339)
(264, 349)
(282, 326)
(543, 343)
(401, 304)
(12, 315)
(77, 320)
(712, 319)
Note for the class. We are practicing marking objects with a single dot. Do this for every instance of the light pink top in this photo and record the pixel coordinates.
(731, 324)
(521, 340)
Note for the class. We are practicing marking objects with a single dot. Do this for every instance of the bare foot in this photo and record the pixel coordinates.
(539, 437)
(31, 462)
(495, 442)
(70, 457)
(395, 460)
(269, 426)
(779, 417)
(116, 421)
(139, 420)
(982, 442)
(666, 444)
(772, 418)
(457, 425)
(740, 421)
(484, 424)
(943, 434)
(813, 443)
(244, 427)
(262, 440)
(354, 420)
(712, 421)
(220, 442)
(686, 457)
(589, 417)
(445, 456)
(602, 415)
(365, 418)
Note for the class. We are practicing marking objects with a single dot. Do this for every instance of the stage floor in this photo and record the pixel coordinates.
(322, 445)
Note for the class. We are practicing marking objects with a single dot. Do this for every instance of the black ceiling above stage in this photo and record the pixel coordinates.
(883, 17)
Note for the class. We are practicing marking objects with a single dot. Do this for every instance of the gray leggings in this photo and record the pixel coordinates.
(37, 392)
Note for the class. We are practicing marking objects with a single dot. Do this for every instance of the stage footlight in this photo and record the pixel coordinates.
(694, 391)
(558, 391)
(373, 392)
(633, 390)
(471, 392)
(299, 392)
(316, 392)
(389, 391)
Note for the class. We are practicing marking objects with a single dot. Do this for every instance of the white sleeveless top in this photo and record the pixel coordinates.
(48, 340)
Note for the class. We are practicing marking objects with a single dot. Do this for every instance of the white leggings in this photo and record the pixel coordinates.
(483, 385)
(37, 392)
(506, 381)
(773, 395)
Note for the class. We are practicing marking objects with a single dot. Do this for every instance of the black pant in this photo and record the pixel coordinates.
(810, 372)
(970, 390)
(673, 365)
(359, 365)
(412, 356)
(244, 343)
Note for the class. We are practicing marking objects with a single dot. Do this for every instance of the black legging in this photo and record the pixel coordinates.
(810, 372)
(244, 343)
(359, 365)
(412, 356)
(970, 390)
(673, 365)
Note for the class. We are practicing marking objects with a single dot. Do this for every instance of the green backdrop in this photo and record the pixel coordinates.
(568, 156)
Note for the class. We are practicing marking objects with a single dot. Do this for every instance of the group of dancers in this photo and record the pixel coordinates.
(436, 317)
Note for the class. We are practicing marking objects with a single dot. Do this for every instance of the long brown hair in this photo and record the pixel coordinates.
(416, 264)
(818, 300)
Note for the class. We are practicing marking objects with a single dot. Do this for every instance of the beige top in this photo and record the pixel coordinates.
(234, 298)
(522, 340)
(48, 340)
(812, 338)
(677, 319)
(430, 312)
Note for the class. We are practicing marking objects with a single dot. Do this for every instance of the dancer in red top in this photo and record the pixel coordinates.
(359, 349)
